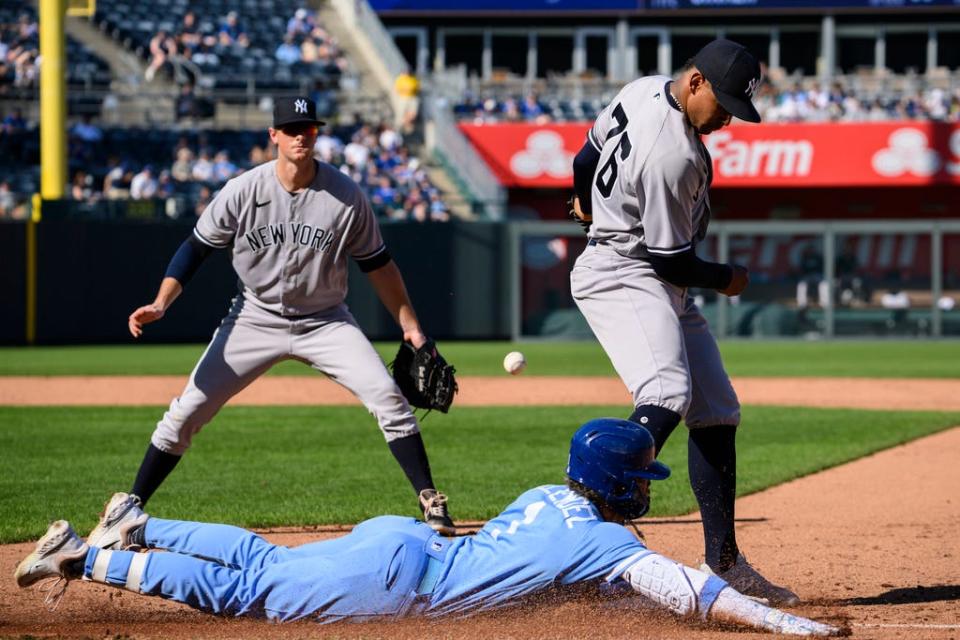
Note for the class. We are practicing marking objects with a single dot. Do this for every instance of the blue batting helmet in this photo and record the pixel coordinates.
(608, 455)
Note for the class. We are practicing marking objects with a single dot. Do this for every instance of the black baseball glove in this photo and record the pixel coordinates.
(424, 377)
(585, 221)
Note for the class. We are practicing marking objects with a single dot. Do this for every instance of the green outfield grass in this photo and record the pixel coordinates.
(292, 466)
(877, 359)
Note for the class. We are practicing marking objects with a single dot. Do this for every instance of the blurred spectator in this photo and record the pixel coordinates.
(531, 109)
(144, 184)
(203, 168)
(851, 285)
(301, 24)
(232, 32)
(165, 186)
(288, 52)
(87, 131)
(13, 122)
(257, 155)
(7, 200)
(82, 187)
(407, 89)
(116, 183)
(356, 153)
(223, 169)
(188, 35)
(898, 302)
(182, 169)
(204, 196)
(163, 46)
(327, 146)
(810, 274)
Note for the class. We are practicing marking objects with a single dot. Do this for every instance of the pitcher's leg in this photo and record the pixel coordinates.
(635, 321)
(711, 449)
(340, 350)
(239, 353)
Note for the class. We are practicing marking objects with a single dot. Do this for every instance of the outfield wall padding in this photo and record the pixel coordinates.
(92, 274)
(13, 282)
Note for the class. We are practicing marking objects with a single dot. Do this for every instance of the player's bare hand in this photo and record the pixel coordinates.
(739, 282)
(416, 338)
(577, 215)
(144, 315)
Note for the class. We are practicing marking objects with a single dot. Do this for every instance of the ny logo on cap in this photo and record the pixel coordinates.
(752, 86)
(300, 106)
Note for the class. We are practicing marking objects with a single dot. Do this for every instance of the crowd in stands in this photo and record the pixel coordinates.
(19, 53)
(798, 102)
(186, 169)
(20, 57)
(304, 46)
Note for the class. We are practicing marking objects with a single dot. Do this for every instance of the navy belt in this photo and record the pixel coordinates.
(594, 242)
(436, 549)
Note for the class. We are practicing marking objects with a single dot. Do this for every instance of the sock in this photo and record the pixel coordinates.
(658, 421)
(154, 469)
(712, 463)
(412, 456)
(137, 537)
(74, 568)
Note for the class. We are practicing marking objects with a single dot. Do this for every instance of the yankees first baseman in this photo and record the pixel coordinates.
(290, 225)
(643, 176)
(552, 544)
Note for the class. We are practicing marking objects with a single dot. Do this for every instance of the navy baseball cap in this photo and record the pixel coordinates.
(293, 111)
(734, 74)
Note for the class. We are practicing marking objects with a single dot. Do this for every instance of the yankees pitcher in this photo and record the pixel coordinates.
(290, 225)
(643, 176)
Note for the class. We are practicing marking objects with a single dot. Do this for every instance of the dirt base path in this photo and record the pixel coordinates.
(871, 544)
(858, 393)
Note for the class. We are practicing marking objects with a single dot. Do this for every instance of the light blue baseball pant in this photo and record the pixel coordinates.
(373, 572)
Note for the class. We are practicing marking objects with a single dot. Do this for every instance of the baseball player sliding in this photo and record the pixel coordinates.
(554, 542)
(290, 225)
(641, 183)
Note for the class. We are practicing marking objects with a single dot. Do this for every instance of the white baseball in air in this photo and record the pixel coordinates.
(514, 363)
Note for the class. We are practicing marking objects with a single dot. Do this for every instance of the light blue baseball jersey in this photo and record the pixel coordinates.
(549, 537)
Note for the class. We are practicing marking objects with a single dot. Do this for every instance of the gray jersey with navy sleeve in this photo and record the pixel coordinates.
(650, 188)
(290, 250)
(649, 198)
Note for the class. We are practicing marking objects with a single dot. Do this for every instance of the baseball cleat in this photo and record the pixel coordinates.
(121, 516)
(748, 581)
(59, 546)
(434, 505)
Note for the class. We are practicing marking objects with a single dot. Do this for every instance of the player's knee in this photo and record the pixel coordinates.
(714, 417)
(660, 422)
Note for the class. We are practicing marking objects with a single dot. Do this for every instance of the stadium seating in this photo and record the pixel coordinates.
(230, 67)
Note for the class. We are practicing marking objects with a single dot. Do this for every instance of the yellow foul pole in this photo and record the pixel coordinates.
(53, 100)
(53, 138)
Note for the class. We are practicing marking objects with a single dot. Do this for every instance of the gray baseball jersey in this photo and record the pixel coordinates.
(290, 249)
(290, 252)
(650, 197)
(650, 190)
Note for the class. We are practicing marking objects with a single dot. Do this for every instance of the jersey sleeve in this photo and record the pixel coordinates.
(597, 134)
(365, 243)
(602, 550)
(217, 225)
(669, 189)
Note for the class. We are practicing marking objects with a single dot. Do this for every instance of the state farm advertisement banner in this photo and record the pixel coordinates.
(902, 153)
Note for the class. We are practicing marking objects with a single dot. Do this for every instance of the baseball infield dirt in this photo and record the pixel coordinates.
(872, 545)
